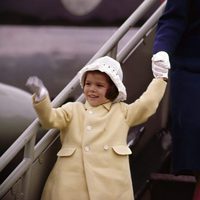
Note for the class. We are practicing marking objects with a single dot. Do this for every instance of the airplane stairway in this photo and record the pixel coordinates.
(163, 185)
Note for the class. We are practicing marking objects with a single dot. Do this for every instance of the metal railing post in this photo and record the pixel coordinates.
(28, 154)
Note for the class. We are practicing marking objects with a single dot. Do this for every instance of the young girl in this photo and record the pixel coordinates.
(93, 163)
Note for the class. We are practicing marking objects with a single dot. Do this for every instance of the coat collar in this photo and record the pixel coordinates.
(107, 106)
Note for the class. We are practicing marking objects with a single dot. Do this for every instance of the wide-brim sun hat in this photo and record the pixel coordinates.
(112, 68)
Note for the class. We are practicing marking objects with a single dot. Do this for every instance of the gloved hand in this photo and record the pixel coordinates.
(160, 65)
(36, 86)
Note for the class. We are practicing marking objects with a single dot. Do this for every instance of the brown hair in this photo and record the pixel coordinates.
(112, 92)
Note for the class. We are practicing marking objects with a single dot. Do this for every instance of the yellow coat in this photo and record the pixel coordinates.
(93, 163)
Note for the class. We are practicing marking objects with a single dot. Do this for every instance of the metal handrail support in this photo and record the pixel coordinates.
(32, 130)
(15, 175)
(51, 136)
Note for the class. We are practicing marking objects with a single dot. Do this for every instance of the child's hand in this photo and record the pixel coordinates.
(36, 86)
(160, 65)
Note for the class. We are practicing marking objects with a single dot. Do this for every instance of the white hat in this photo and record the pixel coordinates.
(112, 68)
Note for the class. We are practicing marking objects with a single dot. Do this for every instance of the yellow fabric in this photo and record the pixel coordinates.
(93, 162)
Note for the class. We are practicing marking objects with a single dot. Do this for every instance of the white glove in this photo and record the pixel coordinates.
(36, 86)
(160, 65)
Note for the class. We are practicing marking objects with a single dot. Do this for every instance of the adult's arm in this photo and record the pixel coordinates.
(171, 26)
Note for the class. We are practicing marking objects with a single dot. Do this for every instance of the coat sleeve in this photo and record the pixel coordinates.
(171, 25)
(51, 117)
(139, 111)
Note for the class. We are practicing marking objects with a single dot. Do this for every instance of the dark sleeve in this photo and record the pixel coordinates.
(171, 25)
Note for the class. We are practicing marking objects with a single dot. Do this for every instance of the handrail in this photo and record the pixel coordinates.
(51, 135)
(15, 148)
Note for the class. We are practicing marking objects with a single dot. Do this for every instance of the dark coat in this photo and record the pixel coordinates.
(178, 33)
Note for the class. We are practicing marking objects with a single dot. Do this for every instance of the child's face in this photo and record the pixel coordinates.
(95, 88)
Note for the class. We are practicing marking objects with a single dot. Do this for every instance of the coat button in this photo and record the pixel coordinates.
(87, 148)
(106, 147)
(90, 112)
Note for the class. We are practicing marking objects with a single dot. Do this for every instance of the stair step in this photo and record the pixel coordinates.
(172, 178)
(171, 187)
